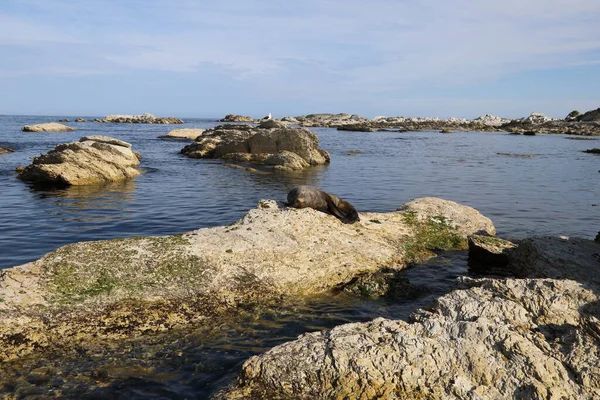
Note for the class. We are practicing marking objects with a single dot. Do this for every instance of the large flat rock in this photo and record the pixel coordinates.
(123, 287)
(48, 127)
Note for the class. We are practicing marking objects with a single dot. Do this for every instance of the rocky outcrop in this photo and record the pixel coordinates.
(93, 291)
(236, 118)
(139, 119)
(329, 120)
(362, 127)
(590, 116)
(593, 151)
(491, 120)
(80, 120)
(63, 120)
(186, 133)
(531, 338)
(281, 147)
(48, 127)
(4, 150)
(92, 160)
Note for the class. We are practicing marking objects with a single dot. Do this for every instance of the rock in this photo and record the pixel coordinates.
(140, 119)
(4, 150)
(593, 151)
(272, 124)
(597, 239)
(572, 115)
(48, 127)
(590, 116)
(88, 292)
(236, 118)
(529, 133)
(186, 133)
(488, 255)
(526, 338)
(330, 120)
(446, 130)
(465, 218)
(491, 120)
(80, 120)
(63, 120)
(290, 120)
(273, 146)
(92, 160)
(356, 128)
(537, 118)
(98, 120)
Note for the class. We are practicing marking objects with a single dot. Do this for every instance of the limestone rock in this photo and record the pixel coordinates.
(466, 218)
(356, 128)
(80, 120)
(48, 127)
(272, 124)
(186, 133)
(140, 119)
(537, 118)
(4, 150)
(115, 288)
(257, 145)
(488, 255)
(491, 120)
(490, 339)
(236, 118)
(92, 160)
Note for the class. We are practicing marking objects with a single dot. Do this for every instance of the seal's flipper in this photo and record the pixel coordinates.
(334, 209)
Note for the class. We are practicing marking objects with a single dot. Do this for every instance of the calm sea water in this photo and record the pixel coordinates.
(553, 192)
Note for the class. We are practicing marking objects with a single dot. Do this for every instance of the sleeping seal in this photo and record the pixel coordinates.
(309, 196)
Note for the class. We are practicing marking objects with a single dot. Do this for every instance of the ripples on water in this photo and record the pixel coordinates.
(552, 192)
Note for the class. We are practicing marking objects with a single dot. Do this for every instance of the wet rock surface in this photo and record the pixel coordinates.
(92, 160)
(271, 143)
(48, 127)
(87, 293)
(535, 337)
(4, 150)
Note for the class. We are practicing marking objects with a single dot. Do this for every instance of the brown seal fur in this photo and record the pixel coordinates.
(309, 196)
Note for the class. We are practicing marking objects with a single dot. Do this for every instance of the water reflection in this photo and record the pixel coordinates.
(93, 203)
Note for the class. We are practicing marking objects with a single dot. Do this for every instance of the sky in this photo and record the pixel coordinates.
(186, 58)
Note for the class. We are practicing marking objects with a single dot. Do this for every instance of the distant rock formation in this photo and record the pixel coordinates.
(272, 144)
(186, 133)
(590, 116)
(92, 160)
(80, 120)
(139, 119)
(236, 118)
(47, 127)
(593, 151)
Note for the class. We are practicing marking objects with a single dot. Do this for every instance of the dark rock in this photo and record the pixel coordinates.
(236, 118)
(593, 151)
(488, 255)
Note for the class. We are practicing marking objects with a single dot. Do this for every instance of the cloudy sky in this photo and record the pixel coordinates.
(188, 58)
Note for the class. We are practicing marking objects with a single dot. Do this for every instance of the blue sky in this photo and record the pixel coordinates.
(189, 58)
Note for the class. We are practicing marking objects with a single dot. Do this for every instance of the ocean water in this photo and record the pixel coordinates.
(555, 191)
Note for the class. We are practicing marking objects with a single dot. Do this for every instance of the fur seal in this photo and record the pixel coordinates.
(309, 196)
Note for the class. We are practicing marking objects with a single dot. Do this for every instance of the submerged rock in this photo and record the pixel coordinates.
(186, 133)
(80, 120)
(85, 293)
(593, 151)
(92, 160)
(282, 147)
(490, 339)
(48, 127)
(4, 150)
(140, 119)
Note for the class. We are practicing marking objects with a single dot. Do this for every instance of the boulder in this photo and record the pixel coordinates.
(80, 120)
(489, 339)
(464, 218)
(140, 119)
(4, 150)
(272, 146)
(593, 151)
(363, 127)
(63, 120)
(92, 160)
(89, 292)
(537, 118)
(186, 133)
(236, 118)
(489, 255)
(48, 127)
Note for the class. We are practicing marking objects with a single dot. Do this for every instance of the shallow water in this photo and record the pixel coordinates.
(552, 192)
